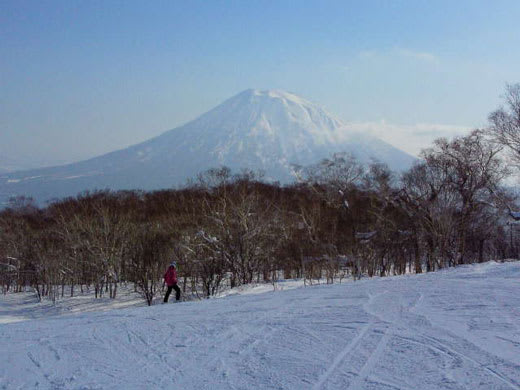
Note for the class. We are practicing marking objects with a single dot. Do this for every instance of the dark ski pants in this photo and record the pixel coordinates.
(177, 292)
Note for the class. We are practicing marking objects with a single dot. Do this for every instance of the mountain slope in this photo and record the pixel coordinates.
(259, 130)
(455, 329)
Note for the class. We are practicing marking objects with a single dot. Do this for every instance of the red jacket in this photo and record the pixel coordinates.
(170, 277)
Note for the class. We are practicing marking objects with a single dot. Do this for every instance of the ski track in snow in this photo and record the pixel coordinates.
(456, 329)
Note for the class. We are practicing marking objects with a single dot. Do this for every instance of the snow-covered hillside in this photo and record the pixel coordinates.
(259, 130)
(454, 329)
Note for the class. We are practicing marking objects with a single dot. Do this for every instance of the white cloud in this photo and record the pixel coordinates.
(399, 52)
(418, 55)
(368, 54)
(409, 138)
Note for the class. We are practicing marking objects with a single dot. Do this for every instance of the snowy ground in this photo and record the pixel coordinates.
(25, 306)
(455, 329)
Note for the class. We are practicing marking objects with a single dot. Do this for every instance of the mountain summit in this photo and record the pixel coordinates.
(268, 130)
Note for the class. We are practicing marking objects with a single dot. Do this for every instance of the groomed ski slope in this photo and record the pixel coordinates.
(454, 329)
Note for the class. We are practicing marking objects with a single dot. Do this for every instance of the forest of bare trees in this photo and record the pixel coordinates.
(341, 219)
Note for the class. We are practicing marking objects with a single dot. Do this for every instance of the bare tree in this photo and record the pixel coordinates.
(97, 228)
(334, 178)
(505, 123)
(148, 253)
(473, 170)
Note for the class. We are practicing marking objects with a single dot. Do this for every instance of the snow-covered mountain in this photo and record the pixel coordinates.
(260, 130)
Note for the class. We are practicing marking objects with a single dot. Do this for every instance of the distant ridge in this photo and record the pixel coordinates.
(268, 130)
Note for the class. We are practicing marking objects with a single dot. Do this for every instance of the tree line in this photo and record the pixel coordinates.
(341, 219)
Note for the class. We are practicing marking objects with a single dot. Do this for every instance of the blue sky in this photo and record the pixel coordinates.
(81, 78)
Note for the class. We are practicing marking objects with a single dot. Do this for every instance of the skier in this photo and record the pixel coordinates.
(170, 277)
